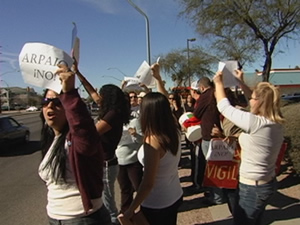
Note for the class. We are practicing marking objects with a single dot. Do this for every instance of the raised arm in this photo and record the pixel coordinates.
(86, 84)
(219, 86)
(159, 82)
(239, 74)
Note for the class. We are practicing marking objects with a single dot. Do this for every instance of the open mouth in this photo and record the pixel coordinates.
(50, 115)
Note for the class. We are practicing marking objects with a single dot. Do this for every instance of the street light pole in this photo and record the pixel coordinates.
(188, 57)
(147, 29)
(115, 68)
(112, 77)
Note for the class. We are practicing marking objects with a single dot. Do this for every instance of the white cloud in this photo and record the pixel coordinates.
(11, 59)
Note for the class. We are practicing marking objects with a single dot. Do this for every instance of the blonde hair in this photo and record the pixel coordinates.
(269, 101)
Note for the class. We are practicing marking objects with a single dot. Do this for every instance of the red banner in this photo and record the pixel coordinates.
(223, 174)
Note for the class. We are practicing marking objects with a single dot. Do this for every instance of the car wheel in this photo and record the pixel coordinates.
(27, 137)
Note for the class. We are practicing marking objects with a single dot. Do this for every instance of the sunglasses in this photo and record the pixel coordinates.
(55, 101)
(171, 98)
(132, 96)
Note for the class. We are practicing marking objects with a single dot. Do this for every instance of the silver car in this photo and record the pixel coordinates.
(12, 132)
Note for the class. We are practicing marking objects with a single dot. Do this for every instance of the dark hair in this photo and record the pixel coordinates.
(57, 160)
(113, 98)
(231, 96)
(157, 119)
(205, 82)
(177, 99)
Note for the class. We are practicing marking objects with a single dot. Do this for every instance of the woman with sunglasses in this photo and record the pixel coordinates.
(72, 165)
(260, 143)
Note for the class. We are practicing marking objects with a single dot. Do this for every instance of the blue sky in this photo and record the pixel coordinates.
(112, 35)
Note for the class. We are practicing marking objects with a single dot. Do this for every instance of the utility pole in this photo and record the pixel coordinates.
(147, 29)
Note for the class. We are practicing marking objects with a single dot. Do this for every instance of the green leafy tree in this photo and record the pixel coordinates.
(176, 65)
(245, 29)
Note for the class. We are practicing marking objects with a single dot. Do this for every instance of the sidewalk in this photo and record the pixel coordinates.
(283, 210)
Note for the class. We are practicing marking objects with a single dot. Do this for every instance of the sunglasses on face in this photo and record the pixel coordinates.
(55, 101)
(132, 96)
(171, 98)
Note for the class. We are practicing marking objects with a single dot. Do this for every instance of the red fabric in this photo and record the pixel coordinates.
(223, 174)
(193, 121)
(280, 157)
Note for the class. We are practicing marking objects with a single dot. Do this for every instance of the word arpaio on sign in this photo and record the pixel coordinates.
(38, 63)
(40, 59)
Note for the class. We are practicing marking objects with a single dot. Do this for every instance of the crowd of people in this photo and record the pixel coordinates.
(137, 141)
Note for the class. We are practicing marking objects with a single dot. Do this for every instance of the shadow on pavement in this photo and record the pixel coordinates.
(290, 180)
(195, 203)
(21, 149)
(289, 212)
(220, 222)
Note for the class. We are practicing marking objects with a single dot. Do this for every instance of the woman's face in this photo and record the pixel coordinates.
(171, 98)
(254, 103)
(54, 112)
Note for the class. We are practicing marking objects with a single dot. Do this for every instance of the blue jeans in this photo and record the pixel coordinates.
(101, 216)
(216, 194)
(110, 174)
(251, 202)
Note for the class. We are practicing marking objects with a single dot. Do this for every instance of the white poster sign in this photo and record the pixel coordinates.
(144, 75)
(220, 150)
(38, 63)
(132, 81)
(228, 69)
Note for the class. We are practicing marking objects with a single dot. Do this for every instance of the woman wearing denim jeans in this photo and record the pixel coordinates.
(260, 143)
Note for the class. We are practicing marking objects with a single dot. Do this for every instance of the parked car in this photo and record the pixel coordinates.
(32, 109)
(12, 132)
(291, 97)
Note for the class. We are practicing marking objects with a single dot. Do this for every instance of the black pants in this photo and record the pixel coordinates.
(129, 178)
(164, 216)
(198, 164)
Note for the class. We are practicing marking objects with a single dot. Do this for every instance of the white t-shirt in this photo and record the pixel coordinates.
(260, 142)
(64, 200)
(167, 189)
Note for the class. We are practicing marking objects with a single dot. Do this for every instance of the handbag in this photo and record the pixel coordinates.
(137, 219)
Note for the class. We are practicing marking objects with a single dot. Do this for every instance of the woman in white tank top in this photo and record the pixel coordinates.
(160, 194)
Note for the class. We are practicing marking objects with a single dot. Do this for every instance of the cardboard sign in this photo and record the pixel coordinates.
(228, 69)
(223, 174)
(220, 150)
(38, 63)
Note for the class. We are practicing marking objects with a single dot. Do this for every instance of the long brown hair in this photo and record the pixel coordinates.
(157, 120)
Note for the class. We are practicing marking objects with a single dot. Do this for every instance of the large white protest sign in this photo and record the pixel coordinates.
(228, 69)
(144, 75)
(220, 150)
(38, 63)
(132, 82)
